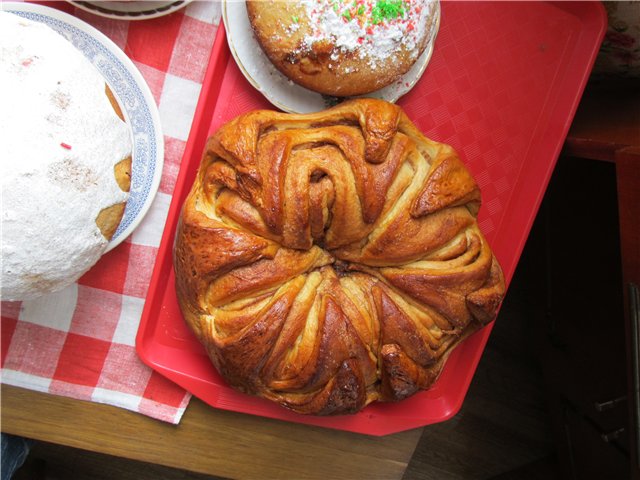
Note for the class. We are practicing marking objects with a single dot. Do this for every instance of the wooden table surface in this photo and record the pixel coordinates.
(207, 440)
(607, 120)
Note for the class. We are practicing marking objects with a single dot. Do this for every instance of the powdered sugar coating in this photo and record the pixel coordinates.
(358, 26)
(61, 140)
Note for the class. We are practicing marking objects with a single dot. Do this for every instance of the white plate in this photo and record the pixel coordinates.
(134, 97)
(142, 10)
(282, 92)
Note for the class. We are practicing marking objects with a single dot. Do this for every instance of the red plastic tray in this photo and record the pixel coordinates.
(502, 87)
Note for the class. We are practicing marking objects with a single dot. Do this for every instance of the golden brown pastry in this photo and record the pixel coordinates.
(332, 259)
(109, 218)
(340, 47)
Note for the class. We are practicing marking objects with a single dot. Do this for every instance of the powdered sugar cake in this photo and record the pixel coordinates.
(66, 159)
(343, 48)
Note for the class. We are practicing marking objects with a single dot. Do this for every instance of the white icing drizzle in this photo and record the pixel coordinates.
(61, 140)
(351, 26)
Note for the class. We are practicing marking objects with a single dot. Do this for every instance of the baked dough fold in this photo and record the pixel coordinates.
(333, 259)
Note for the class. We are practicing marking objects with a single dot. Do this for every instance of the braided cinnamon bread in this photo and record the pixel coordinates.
(332, 259)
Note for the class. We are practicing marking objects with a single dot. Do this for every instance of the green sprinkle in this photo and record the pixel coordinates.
(347, 15)
(295, 18)
(387, 10)
(361, 10)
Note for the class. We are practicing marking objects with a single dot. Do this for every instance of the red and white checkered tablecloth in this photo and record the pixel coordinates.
(80, 342)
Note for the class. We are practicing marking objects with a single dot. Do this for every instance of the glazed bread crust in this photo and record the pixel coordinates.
(333, 259)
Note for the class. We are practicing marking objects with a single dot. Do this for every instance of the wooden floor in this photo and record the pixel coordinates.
(501, 433)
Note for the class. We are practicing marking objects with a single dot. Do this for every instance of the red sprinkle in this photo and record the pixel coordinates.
(65, 145)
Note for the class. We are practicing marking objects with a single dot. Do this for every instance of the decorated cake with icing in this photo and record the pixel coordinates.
(343, 47)
(65, 159)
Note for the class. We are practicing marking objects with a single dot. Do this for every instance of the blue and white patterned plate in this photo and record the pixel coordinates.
(134, 97)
